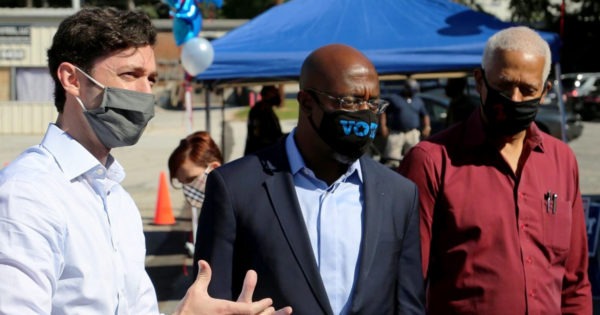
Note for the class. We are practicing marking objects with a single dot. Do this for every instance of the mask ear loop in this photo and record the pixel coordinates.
(315, 98)
(207, 170)
(91, 79)
(81, 104)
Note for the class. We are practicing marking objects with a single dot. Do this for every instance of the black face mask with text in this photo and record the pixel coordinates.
(506, 117)
(349, 134)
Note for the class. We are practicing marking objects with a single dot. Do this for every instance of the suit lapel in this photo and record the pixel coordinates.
(373, 194)
(280, 188)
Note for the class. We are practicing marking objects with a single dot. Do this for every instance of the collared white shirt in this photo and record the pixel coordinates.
(71, 238)
(333, 218)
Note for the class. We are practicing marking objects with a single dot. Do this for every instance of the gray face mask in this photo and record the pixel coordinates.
(122, 116)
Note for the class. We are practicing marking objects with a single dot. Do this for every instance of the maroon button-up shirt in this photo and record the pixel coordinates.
(495, 242)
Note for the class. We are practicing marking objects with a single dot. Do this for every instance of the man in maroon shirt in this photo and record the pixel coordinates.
(502, 223)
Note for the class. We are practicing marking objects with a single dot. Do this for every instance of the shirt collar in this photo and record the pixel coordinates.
(73, 159)
(297, 162)
(475, 133)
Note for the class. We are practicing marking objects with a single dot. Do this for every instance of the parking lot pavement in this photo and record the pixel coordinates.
(587, 150)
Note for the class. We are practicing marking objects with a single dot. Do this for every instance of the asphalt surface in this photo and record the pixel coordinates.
(168, 264)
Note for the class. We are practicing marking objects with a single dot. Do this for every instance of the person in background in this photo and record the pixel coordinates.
(189, 165)
(240, 96)
(461, 106)
(407, 122)
(71, 238)
(502, 221)
(328, 229)
(263, 124)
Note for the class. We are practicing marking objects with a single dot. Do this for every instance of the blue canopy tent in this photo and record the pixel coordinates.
(399, 36)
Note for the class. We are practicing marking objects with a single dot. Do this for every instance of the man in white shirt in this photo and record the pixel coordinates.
(71, 238)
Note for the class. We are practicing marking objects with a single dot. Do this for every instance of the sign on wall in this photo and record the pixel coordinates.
(15, 34)
(12, 54)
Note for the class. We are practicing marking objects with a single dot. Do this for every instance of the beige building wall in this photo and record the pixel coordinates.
(4, 84)
(32, 54)
(26, 117)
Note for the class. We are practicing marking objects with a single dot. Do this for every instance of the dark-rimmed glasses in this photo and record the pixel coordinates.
(351, 103)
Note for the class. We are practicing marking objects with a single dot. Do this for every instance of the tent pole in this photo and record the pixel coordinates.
(223, 124)
(561, 104)
(207, 105)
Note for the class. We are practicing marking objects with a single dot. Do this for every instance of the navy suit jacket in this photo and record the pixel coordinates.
(251, 219)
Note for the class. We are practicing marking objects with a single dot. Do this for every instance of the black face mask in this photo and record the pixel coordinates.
(506, 117)
(349, 134)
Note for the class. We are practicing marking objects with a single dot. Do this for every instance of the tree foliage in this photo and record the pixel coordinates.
(532, 11)
(245, 9)
(580, 30)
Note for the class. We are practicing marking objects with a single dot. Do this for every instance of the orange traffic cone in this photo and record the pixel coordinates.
(164, 211)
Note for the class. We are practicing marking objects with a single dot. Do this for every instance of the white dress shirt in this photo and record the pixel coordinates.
(333, 218)
(71, 238)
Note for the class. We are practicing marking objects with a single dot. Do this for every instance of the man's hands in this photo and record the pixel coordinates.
(248, 290)
(198, 302)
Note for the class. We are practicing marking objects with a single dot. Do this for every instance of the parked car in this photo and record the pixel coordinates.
(580, 89)
(590, 106)
(548, 118)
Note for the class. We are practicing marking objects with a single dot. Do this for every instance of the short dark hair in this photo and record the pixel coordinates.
(92, 33)
(268, 89)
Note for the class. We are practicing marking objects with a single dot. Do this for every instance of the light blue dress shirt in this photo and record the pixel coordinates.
(71, 238)
(333, 218)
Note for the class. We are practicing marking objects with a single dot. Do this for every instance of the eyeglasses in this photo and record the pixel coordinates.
(351, 103)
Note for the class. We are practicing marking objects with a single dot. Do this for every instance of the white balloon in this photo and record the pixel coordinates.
(197, 55)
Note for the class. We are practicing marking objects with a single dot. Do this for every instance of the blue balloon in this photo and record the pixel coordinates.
(187, 20)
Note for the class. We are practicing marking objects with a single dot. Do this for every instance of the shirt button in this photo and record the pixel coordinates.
(522, 226)
(529, 260)
(532, 293)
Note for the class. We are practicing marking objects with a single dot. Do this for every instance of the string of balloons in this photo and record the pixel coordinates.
(197, 53)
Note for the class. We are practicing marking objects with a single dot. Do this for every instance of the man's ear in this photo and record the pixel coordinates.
(67, 76)
(547, 88)
(303, 100)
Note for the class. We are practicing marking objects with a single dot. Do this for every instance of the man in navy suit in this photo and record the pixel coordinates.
(328, 230)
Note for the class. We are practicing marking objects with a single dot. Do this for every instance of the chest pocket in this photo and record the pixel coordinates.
(557, 225)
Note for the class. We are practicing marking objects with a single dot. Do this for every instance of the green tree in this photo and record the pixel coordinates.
(532, 12)
(245, 9)
(580, 46)
(581, 29)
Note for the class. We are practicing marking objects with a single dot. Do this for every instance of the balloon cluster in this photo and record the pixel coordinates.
(197, 53)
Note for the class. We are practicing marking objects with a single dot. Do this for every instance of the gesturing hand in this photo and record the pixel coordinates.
(197, 301)
(248, 290)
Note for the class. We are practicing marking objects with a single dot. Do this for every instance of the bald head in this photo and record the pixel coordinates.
(332, 64)
(329, 74)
